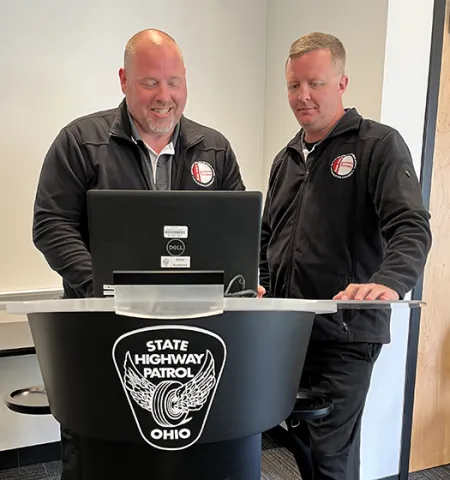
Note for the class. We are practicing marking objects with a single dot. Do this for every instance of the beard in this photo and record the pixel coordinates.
(154, 127)
(160, 126)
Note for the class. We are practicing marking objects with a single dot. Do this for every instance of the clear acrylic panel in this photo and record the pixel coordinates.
(169, 301)
(377, 304)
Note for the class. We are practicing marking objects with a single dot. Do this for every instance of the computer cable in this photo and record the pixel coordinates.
(241, 293)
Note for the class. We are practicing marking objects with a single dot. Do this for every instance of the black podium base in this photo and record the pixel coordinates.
(234, 460)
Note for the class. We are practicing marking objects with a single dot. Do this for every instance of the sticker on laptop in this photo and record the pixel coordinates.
(343, 166)
(108, 290)
(203, 173)
(175, 231)
(175, 247)
(175, 262)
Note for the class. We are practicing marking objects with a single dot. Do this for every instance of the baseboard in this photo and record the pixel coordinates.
(21, 457)
(17, 352)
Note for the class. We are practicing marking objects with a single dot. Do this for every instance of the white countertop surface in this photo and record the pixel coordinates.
(229, 304)
(15, 332)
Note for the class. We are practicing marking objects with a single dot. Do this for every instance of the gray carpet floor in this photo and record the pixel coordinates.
(441, 473)
(277, 464)
(43, 471)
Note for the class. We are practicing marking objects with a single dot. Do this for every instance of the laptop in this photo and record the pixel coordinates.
(144, 230)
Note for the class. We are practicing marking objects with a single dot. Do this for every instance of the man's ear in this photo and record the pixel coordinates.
(343, 83)
(123, 80)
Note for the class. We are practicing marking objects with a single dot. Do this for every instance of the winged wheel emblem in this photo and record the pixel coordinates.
(170, 401)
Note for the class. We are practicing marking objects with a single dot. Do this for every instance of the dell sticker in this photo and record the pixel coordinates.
(202, 173)
(170, 375)
(175, 232)
(175, 247)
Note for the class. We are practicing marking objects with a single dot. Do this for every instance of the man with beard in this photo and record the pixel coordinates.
(145, 143)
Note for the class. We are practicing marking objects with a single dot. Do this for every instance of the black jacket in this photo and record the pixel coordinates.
(353, 213)
(98, 151)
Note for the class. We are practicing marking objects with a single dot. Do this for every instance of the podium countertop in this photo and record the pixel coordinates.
(16, 339)
(229, 304)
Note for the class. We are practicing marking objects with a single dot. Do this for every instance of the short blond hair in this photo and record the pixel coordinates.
(317, 41)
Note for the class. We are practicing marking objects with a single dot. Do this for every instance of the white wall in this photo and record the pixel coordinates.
(60, 60)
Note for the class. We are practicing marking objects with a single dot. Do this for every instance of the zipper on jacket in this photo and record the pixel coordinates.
(297, 212)
(144, 160)
(179, 172)
(141, 160)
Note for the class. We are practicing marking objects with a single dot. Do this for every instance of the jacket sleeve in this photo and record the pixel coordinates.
(266, 233)
(405, 226)
(232, 179)
(59, 209)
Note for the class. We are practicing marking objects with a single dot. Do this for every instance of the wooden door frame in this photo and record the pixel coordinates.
(429, 136)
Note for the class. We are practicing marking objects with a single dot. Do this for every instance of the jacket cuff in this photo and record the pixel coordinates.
(390, 283)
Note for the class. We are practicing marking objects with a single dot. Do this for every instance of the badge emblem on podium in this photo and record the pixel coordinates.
(170, 375)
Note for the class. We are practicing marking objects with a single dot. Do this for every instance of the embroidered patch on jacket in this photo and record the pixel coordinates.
(203, 173)
(343, 166)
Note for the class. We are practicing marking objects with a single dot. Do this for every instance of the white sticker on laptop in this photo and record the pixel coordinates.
(175, 262)
(108, 290)
(171, 231)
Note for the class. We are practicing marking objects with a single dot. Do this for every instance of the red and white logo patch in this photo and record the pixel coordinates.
(203, 173)
(343, 166)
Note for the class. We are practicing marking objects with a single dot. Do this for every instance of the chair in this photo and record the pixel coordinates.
(28, 401)
(309, 406)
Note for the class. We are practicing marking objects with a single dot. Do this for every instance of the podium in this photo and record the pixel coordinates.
(168, 398)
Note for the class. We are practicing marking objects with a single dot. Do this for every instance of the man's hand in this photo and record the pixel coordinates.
(261, 291)
(367, 291)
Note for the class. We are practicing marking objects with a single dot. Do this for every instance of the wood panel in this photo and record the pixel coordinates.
(431, 421)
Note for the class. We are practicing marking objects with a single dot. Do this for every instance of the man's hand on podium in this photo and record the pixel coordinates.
(367, 291)
(261, 291)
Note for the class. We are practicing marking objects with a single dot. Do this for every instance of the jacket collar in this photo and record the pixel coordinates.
(189, 133)
(121, 127)
(350, 121)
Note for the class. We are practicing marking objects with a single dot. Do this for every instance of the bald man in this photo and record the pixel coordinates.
(145, 143)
